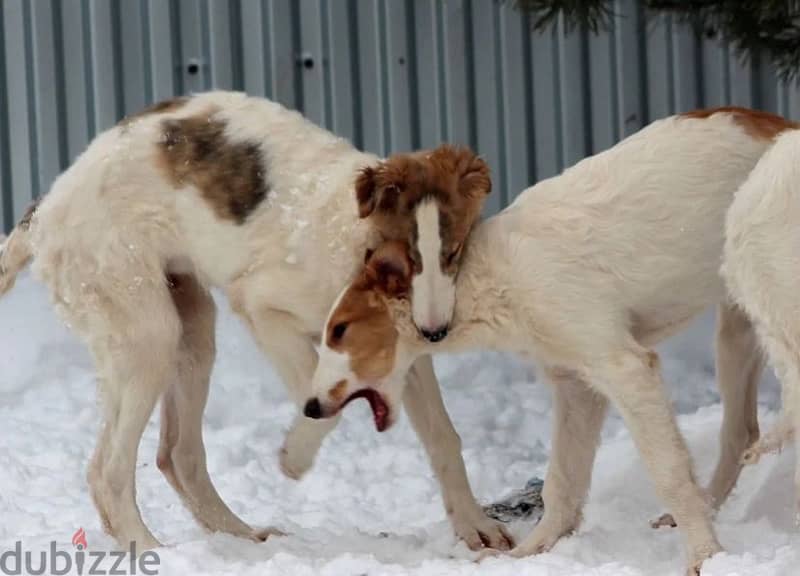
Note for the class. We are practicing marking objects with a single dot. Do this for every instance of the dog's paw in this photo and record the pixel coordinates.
(301, 444)
(489, 553)
(700, 555)
(664, 521)
(296, 456)
(262, 534)
(481, 532)
(295, 463)
(695, 568)
(752, 455)
(545, 535)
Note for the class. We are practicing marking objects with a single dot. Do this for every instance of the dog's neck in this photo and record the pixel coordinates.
(483, 317)
(320, 239)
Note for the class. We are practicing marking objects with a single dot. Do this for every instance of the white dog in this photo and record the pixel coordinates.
(584, 273)
(239, 193)
(762, 271)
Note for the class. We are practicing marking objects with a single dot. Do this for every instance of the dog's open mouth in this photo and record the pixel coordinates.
(380, 409)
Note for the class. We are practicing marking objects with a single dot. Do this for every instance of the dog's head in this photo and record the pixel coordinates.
(369, 341)
(430, 200)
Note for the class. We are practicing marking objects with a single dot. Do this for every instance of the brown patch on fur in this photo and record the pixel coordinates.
(338, 392)
(757, 123)
(163, 107)
(195, 151)
(371, 337)
(454, 177)
(25, 221)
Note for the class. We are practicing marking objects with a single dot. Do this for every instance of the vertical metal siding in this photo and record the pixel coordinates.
(390, 75)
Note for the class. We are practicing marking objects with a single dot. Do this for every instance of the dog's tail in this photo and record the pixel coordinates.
(16, 250)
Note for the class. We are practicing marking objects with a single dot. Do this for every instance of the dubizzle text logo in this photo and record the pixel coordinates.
(80, 560)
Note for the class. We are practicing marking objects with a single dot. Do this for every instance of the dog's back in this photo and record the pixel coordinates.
(189, 182)
(645, 219)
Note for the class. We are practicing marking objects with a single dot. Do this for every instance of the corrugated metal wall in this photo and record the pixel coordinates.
(389, 74)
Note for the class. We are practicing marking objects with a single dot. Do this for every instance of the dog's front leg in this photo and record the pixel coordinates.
(578, 416)
(426, 411)
(292, 354)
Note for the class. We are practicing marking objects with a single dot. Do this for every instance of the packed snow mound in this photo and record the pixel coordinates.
(370, 505)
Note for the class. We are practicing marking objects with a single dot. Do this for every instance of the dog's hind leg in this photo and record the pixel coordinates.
(136, 356)
(95, 472)
(773, 441)
(739, 364)
(631, 378)
(793, 399)
(784, 353)
(168, 438)
(181, 453)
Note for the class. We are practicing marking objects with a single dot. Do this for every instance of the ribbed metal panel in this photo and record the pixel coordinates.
(389, 74)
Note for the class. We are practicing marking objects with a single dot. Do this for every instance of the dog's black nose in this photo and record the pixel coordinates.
(313, 409)
(435, 335)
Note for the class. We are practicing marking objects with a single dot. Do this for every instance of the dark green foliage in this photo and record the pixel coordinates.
(768, 27)
(594, 15)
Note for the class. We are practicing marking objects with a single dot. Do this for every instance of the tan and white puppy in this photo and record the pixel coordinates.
(762, 271)
(239, 193)
(584, 273)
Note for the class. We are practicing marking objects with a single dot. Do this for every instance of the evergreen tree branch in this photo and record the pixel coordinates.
(751, 27)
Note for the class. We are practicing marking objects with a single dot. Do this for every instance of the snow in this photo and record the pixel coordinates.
(370, 505)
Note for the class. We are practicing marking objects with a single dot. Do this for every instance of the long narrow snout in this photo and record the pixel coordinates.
(434, 290)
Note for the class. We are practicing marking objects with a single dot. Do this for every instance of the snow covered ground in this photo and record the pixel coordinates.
(371, 505)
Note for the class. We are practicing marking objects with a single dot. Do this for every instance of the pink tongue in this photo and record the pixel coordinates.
(380, 410)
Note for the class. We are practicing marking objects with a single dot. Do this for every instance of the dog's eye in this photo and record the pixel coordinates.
(416, 260)
(338, 331)
(451, 258)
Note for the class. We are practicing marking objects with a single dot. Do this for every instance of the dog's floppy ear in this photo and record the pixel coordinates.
(389, 269)
(474, 178)
(365, 191)
(474, 175)
(377, 187)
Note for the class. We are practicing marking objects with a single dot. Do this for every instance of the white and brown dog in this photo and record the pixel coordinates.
(762, 271)
(584, 273)
(239, 193)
